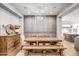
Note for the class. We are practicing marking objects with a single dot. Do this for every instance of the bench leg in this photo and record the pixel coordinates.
(61, 52)
(26, 52)
(44, 53)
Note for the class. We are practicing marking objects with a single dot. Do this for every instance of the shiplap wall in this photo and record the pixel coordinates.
(40, 25)
(7, 18)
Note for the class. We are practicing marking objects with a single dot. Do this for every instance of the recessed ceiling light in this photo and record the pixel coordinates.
(25, 7)
(54, 7)
(39, 7)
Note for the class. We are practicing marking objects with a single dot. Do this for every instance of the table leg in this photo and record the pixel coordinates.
(43, 43)
(26, 52)
(37, 43)
(31, 43)
(27, 43)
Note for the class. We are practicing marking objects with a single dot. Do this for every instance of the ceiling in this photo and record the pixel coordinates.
(41, 8)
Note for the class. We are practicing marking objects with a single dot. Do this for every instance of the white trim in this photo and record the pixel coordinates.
(69, 9)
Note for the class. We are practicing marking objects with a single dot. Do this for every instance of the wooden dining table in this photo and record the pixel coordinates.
(43, 40)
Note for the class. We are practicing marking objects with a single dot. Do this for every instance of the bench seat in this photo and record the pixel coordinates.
(44, 47)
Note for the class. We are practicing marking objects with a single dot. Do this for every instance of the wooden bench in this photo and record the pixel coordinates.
(60, 48)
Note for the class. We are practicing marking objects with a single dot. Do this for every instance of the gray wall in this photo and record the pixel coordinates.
(7, 18)
(45, 25)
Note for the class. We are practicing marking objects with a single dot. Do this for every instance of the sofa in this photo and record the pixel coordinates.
(76, 43)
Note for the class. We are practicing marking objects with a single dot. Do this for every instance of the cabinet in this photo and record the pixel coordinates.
(70, 36)
(10, 44)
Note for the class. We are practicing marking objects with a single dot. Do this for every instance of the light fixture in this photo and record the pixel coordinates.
(39, 10)
(53, 7)
(25, 7)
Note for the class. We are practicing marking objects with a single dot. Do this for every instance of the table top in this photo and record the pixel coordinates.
(44, 39)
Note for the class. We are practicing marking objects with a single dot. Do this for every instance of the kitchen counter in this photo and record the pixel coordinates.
(70, 36)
